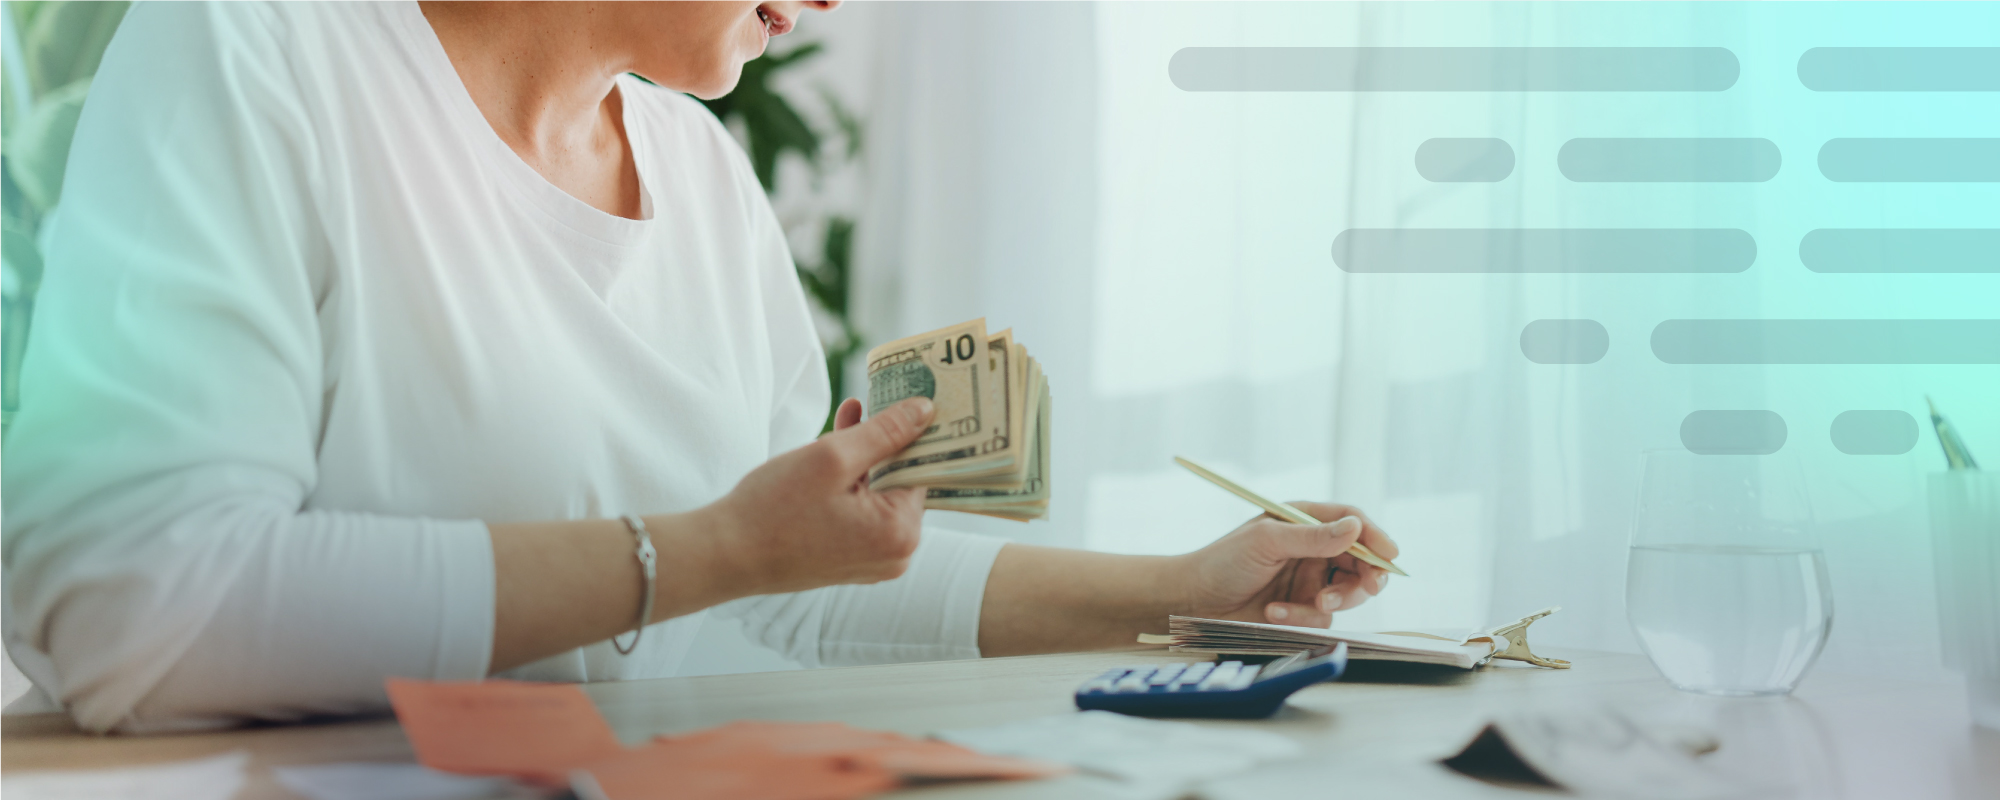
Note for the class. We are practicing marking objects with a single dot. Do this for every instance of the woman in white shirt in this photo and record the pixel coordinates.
(364, 323)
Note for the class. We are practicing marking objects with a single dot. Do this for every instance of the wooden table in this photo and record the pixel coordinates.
(1838, 736)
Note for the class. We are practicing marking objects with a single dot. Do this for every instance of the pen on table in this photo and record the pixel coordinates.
(1284, 512)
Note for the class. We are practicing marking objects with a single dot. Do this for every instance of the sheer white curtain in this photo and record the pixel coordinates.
(1166, 253)
(1217, 216)
(1167, 256)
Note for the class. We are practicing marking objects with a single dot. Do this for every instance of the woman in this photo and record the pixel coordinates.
(365, 323)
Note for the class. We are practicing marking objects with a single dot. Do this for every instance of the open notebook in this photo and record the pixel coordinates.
(1465, 651)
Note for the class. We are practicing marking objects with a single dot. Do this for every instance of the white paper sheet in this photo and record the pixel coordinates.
(395, 781)
(1144, 753)
(216, 778)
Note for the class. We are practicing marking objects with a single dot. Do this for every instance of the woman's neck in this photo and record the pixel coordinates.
(545, 76)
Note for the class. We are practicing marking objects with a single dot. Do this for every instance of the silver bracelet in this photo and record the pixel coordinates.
(647, 556)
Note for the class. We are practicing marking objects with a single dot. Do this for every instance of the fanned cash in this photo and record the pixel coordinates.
(986, 451)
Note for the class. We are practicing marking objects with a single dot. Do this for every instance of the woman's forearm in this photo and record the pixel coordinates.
(1051, 600)
(1046, 600)
(563, 585)
(803, 520)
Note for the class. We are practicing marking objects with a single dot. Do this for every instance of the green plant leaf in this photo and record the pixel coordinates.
(25, 11)
(39, 149)
(7, 108)
(769, 121)
(835, 257)
(14, 203)
(22, 262)
(22, 256)
(775, 127)
(849, 123)
(66, 40)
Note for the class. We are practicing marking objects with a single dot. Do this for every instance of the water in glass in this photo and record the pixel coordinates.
(1726, 619)
(1727, 587)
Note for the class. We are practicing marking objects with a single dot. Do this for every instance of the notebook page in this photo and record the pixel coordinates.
(1209, 635)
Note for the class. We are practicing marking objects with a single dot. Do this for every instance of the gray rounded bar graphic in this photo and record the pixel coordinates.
(1453, 69)
(1733, 433)
(1669, 160)
(1465, 160)
(1910, 250)
(1565, 341)
(1874, 433)
(1827, 341)
(1569, 250)
(1910, 160)
(1901, 69)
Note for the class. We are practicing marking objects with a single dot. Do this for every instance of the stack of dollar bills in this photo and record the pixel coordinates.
(987, 449)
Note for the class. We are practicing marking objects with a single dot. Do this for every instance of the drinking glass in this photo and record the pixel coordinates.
(1727, 587)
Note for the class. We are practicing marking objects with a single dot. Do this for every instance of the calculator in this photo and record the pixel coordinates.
(1226, 689)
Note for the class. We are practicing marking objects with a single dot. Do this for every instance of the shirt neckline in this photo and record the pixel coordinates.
(435, 66)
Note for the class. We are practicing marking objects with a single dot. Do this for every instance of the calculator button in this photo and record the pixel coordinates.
(1135, 682)
(1166, 674)
(1243, 679)
(1197, 672)
(1221, 675)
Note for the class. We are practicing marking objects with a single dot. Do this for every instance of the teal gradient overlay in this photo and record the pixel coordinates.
(1344, 125)
(1565, 341)
(1296, 161)
(1554, 250)
(1864, 250)
(1828, 341)
(1669, 160)
(1911, 160)
(1482, 160)
(1453, 69)
(1888, 432)
(1733, 433)
(1901, 69)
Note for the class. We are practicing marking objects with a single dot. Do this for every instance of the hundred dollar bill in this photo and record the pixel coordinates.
(968, 437)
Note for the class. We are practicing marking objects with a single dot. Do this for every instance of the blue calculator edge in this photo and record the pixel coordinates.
(1212, 689)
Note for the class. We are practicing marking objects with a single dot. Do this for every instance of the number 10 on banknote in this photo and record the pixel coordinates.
(986, 451)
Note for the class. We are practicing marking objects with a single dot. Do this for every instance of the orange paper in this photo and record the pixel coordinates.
(536, 731)
(661, 772)
(914, 759)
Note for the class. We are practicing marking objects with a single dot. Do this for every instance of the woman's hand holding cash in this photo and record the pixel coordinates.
(808, 518)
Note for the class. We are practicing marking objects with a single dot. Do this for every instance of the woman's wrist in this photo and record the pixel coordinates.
(698, 568)
(1176, 588)
(1052, 600)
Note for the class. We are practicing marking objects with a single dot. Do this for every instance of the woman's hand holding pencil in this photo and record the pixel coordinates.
(1286, 572)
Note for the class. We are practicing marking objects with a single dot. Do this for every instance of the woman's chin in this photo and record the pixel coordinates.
(717, 85)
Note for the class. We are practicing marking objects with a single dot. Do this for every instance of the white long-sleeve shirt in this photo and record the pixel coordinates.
(308, 324)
